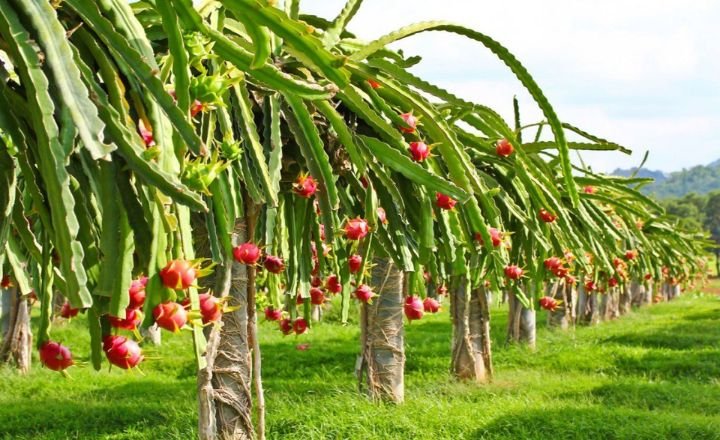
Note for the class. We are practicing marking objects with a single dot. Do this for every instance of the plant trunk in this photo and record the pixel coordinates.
(588, 307)
(594, 311)
(467, 361)
(562, 316)
(609, 306)
(17, 338)
(649, 289)
(151, 334)
(521, 322)
(625, 300)
(615, 304)
(58, 301)
(582, 306)
(382, 362)
(316, 314)
(5, 311)
(224, 385)
(604, 306)
(674, 291)
(483, 297)
(638, 293)
(571, 294)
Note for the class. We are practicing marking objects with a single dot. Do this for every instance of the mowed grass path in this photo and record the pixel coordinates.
(654, 374)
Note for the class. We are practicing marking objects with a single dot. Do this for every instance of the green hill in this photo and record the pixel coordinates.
(700, 179)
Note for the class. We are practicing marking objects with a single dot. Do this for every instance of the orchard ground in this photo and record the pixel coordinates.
(654, 374)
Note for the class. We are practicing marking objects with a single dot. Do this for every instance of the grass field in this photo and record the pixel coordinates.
(652, 375)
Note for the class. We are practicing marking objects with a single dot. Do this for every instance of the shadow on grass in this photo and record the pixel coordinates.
(164, 410)
(672, 397)
(597, 423)
(698, 333)
(707, 315)
(701, 366)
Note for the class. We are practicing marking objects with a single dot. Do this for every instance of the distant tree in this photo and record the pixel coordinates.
(712, 222)
(688, 214)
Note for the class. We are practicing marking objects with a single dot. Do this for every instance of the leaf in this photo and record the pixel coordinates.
(176, 46)
(506, 57)
(252, 141)
(308, 138)
(301, 42)
(51, 157)
(131, 151)
(413, 171)
(343, 132)
(241, 58)
(332, 34)
(119, 46)
(534, 147)
(14, 254)
(75, 96)
(96, 352)
(259, 35)
(116, 244)
(8, 180)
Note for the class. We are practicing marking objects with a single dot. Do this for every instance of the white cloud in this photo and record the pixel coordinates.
(644, 72)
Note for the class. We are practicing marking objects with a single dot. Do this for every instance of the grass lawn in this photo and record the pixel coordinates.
(652, 375)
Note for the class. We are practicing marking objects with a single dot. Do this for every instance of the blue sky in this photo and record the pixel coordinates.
(644, 73)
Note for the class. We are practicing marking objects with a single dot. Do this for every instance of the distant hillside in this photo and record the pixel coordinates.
(700, 179)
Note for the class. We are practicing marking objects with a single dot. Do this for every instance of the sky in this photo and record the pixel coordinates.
(642, 73)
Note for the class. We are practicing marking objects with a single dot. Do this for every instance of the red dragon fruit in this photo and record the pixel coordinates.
(317, 297)
(503, 148)
(495, 235)
(285, 326)
(170, 315)
(133, 318)
(55, 356)
(364, 293)
(356, 228)
(67, 311)
(548, 303)
(355, 263)
(273, 314)
(305, 186)
(419, 151)
(546, 216)
(178, 274)
(333, 284)
(413, 308)
(431, 305)
(513, 272)
(274, 264)
(247, 253)
(444, 202)
(552, 263)
(210, 308)
(137, 292)
(122, 352)
(300, 326)
(410, 121)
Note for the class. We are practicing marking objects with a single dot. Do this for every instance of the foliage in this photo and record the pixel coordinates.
(150, 133)
(651, 373)
(696, 212)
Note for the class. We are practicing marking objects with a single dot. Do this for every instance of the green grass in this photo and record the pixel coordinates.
(652, 375)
